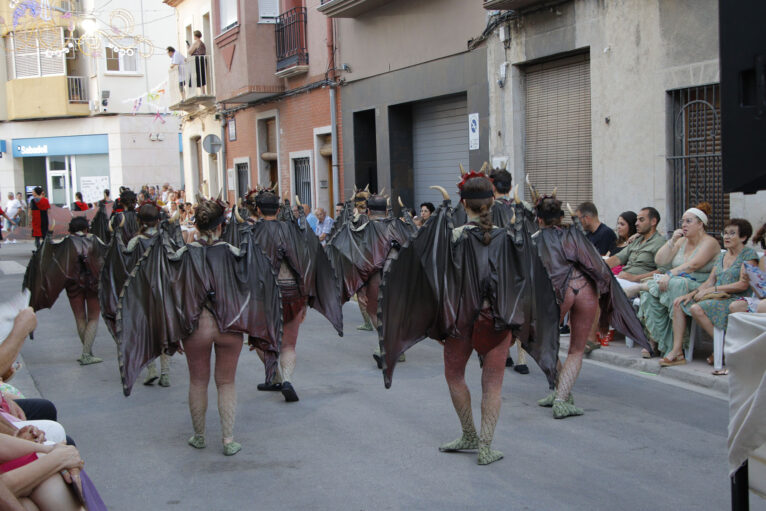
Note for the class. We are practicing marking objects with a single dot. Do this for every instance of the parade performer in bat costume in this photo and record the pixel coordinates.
(473, 287)
(360, 248)
(582, 281)
(201, 297)
(305, 277)
(72, 263)
(120, 261)
(124, 220)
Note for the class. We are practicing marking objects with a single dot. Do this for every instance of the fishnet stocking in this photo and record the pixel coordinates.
(227, 410)
(198, 407)
(456, 355)
(164, 363)
(568, 375)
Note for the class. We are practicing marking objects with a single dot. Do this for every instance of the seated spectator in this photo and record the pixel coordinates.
(8, 501)
(691, 261)
(600, 235)
(756, 280)
(324, 225)
(637, 259)
(338, 209)
(24, 323)
(39, 473)
(626, 228)
(426, 210)
(727, 277)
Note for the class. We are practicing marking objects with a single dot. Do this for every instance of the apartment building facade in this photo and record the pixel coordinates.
(615, 102)
(83, 105)
(415, 94)
(274, 79)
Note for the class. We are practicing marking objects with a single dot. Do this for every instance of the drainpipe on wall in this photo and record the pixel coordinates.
(338, 195)
(224, 172)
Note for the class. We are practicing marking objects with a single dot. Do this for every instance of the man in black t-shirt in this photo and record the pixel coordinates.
(602, 237)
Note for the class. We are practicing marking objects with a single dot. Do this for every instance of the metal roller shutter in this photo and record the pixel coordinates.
(558, 129)
(440, 143)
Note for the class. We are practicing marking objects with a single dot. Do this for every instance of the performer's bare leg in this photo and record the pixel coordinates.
(583, 311)
(361, 300)
(227, 350)
(164, 370)
(198, 347)
(491, 389)
(287, 355)
(456, 355)
(89, 333)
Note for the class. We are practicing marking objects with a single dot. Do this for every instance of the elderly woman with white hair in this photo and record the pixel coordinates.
(690, 254)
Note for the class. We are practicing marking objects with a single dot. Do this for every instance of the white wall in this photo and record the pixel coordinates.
(156, 23)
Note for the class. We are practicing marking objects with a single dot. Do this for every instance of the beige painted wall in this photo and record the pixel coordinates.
(639, 49)
(403, 33)
(47, 96)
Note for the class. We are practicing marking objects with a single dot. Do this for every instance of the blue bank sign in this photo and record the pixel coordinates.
(60, 146)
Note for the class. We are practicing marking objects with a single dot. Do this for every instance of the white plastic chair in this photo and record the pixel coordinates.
(719, 336)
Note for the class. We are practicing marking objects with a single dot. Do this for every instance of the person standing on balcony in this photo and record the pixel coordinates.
(198, 50)
(177, 62)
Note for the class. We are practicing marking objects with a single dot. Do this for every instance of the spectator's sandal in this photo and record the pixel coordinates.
(679, 360)
(645, 353)
(721, 372)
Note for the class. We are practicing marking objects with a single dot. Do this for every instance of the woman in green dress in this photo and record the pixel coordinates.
(728, 277)
(689, 253)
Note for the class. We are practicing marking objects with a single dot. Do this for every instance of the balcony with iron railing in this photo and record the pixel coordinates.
(348, 8)
(291, 43)
(191, 87)
(515, 5)
(51, 96)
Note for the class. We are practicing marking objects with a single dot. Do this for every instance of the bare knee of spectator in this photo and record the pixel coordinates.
(738, 306)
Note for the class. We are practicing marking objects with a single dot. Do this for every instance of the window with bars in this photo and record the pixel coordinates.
(697, 174)
(36, 53)
(302, 169)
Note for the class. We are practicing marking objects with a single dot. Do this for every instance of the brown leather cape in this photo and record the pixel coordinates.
(119, 262)
(561, 249)
(129, 228)
(360, 247)
(99, 226)
(72, 263)
(435, 286)
(162, 300)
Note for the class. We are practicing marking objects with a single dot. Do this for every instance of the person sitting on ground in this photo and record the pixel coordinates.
(602, 237)
(756, 277)
(38, 474)
(626, 229)
(426, 210)
(691, 261)
(637, 259)
(709, 304)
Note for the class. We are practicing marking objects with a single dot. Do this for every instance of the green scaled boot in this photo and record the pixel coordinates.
(548, 400)
(367, 325)
(564, 409)
(197, 441)
(468, 442)
(487, 455)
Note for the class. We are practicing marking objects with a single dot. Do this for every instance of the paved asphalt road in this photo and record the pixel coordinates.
(350, 444)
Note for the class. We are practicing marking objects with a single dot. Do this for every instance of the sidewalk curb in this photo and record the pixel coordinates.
(708, 381)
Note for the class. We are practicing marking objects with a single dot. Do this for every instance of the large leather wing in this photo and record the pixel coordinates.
(539, 332)
(412, 303)
(343, 251)
(162, 300)
(616, 309)
(72, 261)
(99, 226)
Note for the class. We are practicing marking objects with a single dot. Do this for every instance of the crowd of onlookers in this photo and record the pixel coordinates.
(39, 463)
(688, 276)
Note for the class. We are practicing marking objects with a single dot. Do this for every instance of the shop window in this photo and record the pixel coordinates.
(121, 61)
(228, 14)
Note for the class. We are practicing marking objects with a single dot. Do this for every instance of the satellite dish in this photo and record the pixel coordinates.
(211, 144)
